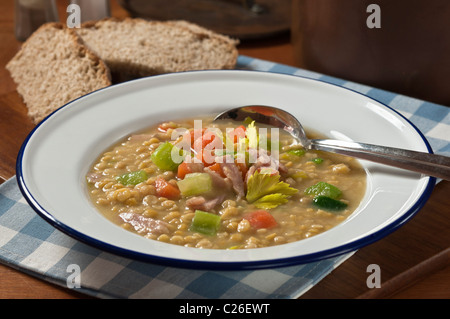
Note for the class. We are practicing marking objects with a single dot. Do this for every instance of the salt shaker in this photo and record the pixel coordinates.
(92, 9)
(31, 14)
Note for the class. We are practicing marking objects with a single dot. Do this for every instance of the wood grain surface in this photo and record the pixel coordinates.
(414, 260)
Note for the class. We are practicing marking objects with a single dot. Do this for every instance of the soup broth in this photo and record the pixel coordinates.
(224, 185)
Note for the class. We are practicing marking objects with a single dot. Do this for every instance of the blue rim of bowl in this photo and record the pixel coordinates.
(237, 265)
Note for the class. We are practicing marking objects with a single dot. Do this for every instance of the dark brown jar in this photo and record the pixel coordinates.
(408, 54)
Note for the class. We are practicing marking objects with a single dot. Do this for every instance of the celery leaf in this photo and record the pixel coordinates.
(271, 201)
(252, 135)
(267, 190)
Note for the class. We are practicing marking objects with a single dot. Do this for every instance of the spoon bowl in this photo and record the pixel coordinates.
(421, 162)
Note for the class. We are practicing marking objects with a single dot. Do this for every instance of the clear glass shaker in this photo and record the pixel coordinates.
(93, 9)
(31, 14)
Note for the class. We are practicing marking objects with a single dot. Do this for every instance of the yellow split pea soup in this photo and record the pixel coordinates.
(223, 185)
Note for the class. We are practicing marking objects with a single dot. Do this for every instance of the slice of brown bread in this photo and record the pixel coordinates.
(53, 67)
(134, 47)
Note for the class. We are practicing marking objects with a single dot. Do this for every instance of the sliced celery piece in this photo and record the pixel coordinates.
(205, 223)
(325, 189)
(132, 178)
(162, 157)
(195, 184)
(297, 152)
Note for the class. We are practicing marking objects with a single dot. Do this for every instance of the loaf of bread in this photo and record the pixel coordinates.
(134, 47)
(57, 64)
(54, 67)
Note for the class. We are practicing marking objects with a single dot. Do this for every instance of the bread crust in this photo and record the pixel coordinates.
(43, 74)
(110, 48)
(140, 46)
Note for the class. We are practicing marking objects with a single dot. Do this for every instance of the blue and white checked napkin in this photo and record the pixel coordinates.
(33, 246)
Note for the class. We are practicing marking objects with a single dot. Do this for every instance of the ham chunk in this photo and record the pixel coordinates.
(201, 203)
(218, 181)
(264, 160)
(145, 225)
(232, 172)
(195, 167)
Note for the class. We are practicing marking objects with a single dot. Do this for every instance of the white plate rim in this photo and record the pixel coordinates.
(242, 265)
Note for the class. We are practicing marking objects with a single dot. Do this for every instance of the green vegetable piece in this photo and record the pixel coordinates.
(297, 152)
(195, 184)
(328, 203)
(252, 135)
(205, 223)
(260, 186)
(325, 189)
(165, 157)
(271, 201)
(293, 155)
(132, 178)
(317, 160)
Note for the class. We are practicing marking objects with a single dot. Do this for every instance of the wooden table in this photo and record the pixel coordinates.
(414, 261)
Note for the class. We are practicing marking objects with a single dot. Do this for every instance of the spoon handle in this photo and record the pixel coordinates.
(421, 162)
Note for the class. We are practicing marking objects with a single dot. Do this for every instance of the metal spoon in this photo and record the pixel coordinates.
(421, 162)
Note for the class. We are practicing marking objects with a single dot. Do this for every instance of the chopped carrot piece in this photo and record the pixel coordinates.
(165, 189)
(206, 157)
(196, 134)
(261, 219)
(204, 146)
(238, 132)
(183, 169)
(207, 138)
(217, 168)
(202, 140)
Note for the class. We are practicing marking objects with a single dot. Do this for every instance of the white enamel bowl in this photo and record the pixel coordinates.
(56, 156)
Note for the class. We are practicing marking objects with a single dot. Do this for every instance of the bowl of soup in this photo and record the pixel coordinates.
(141, 169)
